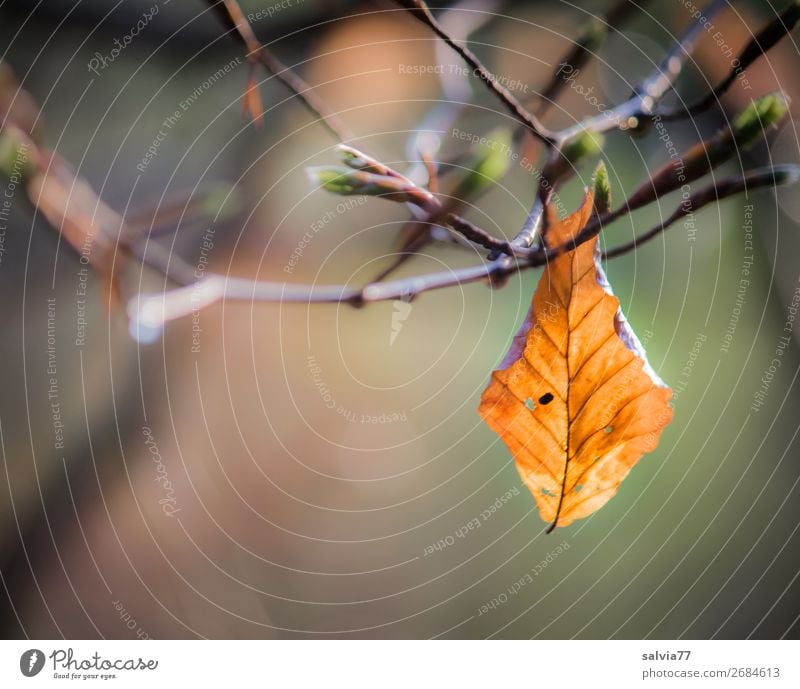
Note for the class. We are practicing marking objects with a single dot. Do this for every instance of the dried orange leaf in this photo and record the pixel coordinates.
(575, 400)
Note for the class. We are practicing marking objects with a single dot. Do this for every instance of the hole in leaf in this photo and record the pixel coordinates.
(529, 403)
(608, 429)
(546, 398)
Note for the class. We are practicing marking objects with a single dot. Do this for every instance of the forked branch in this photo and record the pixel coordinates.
(365, 175)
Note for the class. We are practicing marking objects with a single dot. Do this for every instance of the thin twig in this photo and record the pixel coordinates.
(584, 49)
(231, 14)
(479, 236)
(514, 256)
(152, 312)
(508, 257)
(653, 88)
(650, 90)
(750, 181)
(625, 115)
(760, 44)
(421, 11)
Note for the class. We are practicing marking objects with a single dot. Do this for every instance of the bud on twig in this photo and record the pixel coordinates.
(487, 164)
(348, 182)
(358, 160)
(15, 154)
(573, 152)
(746, 128)
(602, 189)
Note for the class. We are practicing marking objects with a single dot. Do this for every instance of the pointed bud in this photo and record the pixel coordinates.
(358, 160)
(487, 164)
(349, 182)
(746, 128)
(602, 189)
(573, 153)
(15, 154)
(762, 112)
(337, 180)
(583, 146)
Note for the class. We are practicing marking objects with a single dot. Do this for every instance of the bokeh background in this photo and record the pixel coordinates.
(320, 473)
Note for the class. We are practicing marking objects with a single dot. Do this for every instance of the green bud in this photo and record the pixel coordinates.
(15, 154)
(347, 182)
(357, 160)
(762, 112)
(602, 189)
(494, 157)
(595, 35)
(488, 163)
(746, 128)
(573, 153)
(582, 146)
(333, 178)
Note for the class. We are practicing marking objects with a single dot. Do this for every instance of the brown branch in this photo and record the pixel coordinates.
(750, 181)
(150, 313)
(479, 236)
(153, 312)
(232, 16)
(626, 115)
(421, 11)
(513, 256)
(641, 103)
(585, 48)
(651, 89)
(760, 44)
(654, 87)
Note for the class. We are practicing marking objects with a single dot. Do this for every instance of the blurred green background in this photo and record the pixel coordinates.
(323, 474)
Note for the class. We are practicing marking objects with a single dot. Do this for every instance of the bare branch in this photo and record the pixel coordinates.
(761, 43)
(750, 181)
(584, 49)
(747, 128)
(151, 313)
(421, 11)
(231, 14)
(478, 236)
(653, 88)
(367, 175)
(650, 91)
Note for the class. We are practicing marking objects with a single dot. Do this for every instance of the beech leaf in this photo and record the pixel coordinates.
(575, 400)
